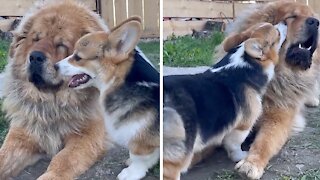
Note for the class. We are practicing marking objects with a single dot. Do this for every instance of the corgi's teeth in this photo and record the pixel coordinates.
(309, 48)
(300, 46)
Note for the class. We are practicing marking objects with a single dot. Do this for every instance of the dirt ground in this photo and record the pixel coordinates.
(106, 169)
(299, 159)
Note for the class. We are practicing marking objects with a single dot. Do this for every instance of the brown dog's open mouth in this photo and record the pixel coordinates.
(78, 80)
(300, 54)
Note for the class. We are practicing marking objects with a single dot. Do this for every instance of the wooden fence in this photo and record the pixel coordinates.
(183, 16)
(113, 12)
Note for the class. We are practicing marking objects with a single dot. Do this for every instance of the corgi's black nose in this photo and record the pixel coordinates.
(37, 57)
(56, 67)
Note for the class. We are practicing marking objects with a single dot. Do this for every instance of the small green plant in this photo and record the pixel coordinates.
(4, 46)
(188, 51)
(3, 124)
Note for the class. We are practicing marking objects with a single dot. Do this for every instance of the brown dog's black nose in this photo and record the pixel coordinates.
(312, 22)
(37, 57)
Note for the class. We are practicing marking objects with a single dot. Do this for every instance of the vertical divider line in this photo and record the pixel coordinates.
(161, 87)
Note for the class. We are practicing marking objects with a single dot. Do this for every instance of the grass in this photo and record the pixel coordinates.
(4, 46)
(152, 50)
(312, 174)
(3, 125)
(187, 51)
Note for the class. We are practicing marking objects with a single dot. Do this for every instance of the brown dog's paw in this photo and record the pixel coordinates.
(249, 169)
(52, 176)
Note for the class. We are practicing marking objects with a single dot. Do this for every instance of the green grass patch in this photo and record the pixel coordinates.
(4, 46)
(312, 174)
(187, 51)
(152, 50)
(3, 125)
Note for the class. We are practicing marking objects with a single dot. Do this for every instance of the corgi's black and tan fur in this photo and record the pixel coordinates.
(221, 105)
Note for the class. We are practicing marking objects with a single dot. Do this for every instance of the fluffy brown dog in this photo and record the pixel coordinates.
(295, 79)
(46, 116)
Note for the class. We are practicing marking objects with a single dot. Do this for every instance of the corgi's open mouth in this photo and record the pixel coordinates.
(78, 80)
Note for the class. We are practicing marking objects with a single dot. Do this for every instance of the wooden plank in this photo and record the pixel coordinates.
(107, 12)
(91, 4)
(135, 8)
(121, 11)
(152, 18)
(181, 28)
(239, 8)
(19, 7)
(315, 5)
(201, 9)
(302, 1)
(5, 24)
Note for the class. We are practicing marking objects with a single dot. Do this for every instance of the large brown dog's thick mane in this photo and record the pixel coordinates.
(289, 86)
(63, 110)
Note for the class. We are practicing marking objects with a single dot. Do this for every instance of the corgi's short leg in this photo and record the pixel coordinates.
(139, 165)
(172, 169)
(232, 143)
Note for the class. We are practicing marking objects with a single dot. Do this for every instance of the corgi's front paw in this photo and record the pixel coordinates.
(130, 173)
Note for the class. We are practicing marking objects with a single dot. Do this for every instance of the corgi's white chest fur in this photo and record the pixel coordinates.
(121, 133)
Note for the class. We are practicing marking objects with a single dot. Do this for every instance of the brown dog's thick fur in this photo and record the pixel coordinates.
(284, 100)
(46, 117)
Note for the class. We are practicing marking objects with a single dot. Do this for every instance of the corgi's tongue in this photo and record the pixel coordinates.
(78, 79)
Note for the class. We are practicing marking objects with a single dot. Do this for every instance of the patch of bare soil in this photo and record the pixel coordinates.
(106, 169)
(299, 159)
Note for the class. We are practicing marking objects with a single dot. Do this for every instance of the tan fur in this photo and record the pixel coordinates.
(286, 93)
(172, 169)
(62, 123)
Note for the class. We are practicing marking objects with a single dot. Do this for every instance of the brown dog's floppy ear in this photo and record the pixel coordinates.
(19, 35)
(254, 48)
(122, 40)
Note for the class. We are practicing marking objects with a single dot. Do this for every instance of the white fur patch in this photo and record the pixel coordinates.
(269, 71)
(282, 28)
(67, 69)
(139, 165)
(147, 84)
(236, 60)
(124, 132)
(232, 143)
(299, 123)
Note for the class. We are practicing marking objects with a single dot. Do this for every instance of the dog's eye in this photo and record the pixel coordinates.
(36, 39)
(76, 57)
(292, 17)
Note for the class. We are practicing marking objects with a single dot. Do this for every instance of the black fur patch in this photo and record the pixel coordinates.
(142, 71)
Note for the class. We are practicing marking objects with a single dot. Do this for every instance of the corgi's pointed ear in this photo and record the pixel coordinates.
(254, 47)
(123, 39)
(234, 40)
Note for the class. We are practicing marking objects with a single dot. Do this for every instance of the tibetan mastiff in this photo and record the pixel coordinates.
(46, 117)
(295, 81)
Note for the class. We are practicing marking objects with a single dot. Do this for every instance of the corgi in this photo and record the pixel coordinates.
(221, 105)
(129, 91)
